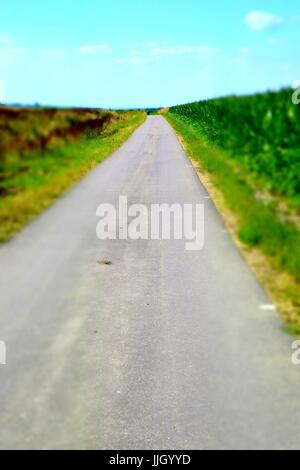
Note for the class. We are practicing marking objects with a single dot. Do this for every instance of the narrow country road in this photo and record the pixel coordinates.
(162, 349)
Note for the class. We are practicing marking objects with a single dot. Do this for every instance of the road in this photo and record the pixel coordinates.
(163, 348)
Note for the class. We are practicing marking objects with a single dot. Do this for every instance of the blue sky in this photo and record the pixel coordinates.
(129, 53)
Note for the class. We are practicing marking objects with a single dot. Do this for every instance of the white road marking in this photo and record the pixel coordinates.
(268, 308)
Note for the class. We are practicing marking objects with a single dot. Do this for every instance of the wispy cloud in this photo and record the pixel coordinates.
(52, 52)
(98, 48)
(181, 50)
(262, 21)
(134, 60)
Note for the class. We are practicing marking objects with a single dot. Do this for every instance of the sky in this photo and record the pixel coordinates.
(133, 53)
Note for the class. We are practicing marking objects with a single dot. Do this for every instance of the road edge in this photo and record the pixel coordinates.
(277, 284)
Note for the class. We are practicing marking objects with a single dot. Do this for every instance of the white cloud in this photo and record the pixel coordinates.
(182, 50)
(296, 84)
(52, 52)
(261, 21)
(99, 48)
(135, 60)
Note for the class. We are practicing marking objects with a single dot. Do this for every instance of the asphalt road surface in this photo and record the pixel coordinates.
(163, 348)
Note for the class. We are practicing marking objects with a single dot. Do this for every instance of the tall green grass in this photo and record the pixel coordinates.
(260, 132)
(259, 136)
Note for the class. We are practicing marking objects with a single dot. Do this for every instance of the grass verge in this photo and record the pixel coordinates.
(271, 246)
(51, 172)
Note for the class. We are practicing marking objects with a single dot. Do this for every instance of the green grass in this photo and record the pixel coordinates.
(259, 224)
(259, 133)
(251, 147)
(32, 180)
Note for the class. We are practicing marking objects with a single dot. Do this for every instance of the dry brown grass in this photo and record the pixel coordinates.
(18, 207)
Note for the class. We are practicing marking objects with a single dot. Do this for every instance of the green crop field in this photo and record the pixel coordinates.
(250, 148)
(260, 132)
